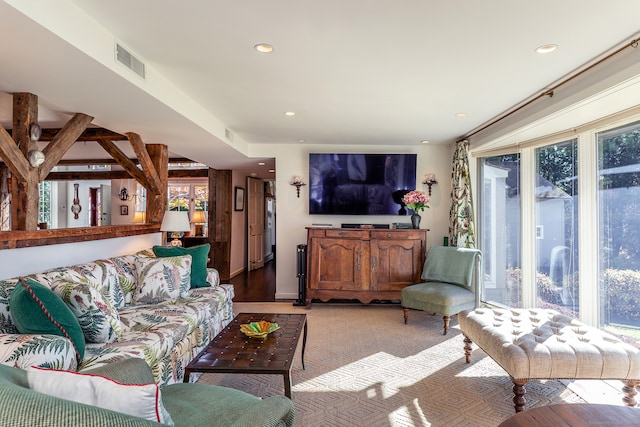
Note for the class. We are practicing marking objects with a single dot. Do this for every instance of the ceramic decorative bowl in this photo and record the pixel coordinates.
(258, 329)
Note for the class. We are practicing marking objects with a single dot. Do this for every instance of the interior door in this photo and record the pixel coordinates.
(104, 204)
(255, 223)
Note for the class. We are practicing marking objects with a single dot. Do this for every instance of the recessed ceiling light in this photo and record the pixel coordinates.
(425, 141)
(461, 114)
(260, 163)
(289, 113)
(546, 48)
(263, 48)
(302, 140)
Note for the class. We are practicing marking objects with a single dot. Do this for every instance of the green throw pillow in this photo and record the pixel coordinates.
(36, 309)
(199, 256)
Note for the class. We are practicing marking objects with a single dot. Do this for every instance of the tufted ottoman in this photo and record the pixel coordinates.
(544, 344)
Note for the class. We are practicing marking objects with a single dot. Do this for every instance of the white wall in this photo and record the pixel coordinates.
(292, 213)
(116, 185)
(17, 262)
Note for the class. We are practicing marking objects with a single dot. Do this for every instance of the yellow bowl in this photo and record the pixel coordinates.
(258, 329)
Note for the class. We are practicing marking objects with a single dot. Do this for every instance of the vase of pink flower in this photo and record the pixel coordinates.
(417, 201)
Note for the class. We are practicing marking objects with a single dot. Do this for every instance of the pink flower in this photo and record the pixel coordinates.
(416, 200)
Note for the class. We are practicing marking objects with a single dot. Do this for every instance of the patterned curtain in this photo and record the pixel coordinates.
(461, 228)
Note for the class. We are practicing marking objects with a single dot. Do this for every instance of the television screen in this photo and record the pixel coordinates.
(360, 184)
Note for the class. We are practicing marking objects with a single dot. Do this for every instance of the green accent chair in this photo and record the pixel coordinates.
(451, 283)
(188, 404)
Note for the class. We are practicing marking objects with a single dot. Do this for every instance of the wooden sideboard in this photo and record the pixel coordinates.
(362, 264)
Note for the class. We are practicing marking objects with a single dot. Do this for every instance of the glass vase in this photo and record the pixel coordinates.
(415, 220)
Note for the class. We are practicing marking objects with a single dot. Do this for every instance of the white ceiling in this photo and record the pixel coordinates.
(358, 72)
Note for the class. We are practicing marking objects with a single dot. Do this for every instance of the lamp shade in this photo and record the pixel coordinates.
(199, 217)
(175, 221)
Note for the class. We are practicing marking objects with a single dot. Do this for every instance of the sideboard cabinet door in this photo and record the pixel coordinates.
(337, 264)
(396, 260)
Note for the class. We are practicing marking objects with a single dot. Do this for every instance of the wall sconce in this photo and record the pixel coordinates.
(429, 180)
(124, 195)
(297, 182)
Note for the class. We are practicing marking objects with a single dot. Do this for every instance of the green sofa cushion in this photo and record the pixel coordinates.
(199, 256)
(36, 309)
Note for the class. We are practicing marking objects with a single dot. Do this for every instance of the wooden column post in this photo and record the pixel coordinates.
(157, 203)
(220, 198)
(24, 193)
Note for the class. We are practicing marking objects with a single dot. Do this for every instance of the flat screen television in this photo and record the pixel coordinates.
(360, 184)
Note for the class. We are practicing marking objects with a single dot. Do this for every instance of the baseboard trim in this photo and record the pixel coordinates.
(286, 295)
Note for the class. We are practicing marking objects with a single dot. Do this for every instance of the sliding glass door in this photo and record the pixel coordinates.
(500, 234)
(619, 227)
(559, 227)
(556, 226)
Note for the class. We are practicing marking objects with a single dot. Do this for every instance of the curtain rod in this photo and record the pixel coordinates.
(633, 43)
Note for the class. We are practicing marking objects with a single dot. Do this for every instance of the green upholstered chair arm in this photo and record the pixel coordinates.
(276, 411)
(189, 404)
(196, 404)
(128, 371)
(20, 406)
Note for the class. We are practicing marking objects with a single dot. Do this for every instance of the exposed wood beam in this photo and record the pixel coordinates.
(12, 156)
(24, 191)
(155, 186)
(108, 175)
(27, 239)
(157, 203)
(124, 161)
(89, 134)
(61, 143)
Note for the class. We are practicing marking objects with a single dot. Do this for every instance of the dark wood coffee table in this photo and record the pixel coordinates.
(231, 351)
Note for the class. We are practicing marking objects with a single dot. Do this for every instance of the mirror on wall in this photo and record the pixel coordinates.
(94, 203)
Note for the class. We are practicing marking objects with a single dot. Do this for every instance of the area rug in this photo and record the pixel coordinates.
(365, 367)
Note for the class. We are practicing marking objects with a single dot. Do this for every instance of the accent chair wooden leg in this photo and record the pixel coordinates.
(519, 392)
(406, 314)
(446, 324)
(467, 349)
(630, 392)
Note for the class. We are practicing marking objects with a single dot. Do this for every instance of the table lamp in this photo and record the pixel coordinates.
(139, 217)
(199, 218)
(175, 222)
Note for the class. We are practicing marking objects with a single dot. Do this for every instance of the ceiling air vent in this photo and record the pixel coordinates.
(128, 60)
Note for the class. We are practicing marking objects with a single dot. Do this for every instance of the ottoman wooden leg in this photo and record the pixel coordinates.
(519, 392)
(467, 349)
(406, 314)
(629, 390)
(446, 324)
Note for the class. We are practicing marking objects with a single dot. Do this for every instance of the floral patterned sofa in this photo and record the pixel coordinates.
(137, 305)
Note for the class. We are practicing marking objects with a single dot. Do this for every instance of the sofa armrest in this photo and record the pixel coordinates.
(213, 277)
(127, 371)
(20, 406)
(274, 411)
(47, 351)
